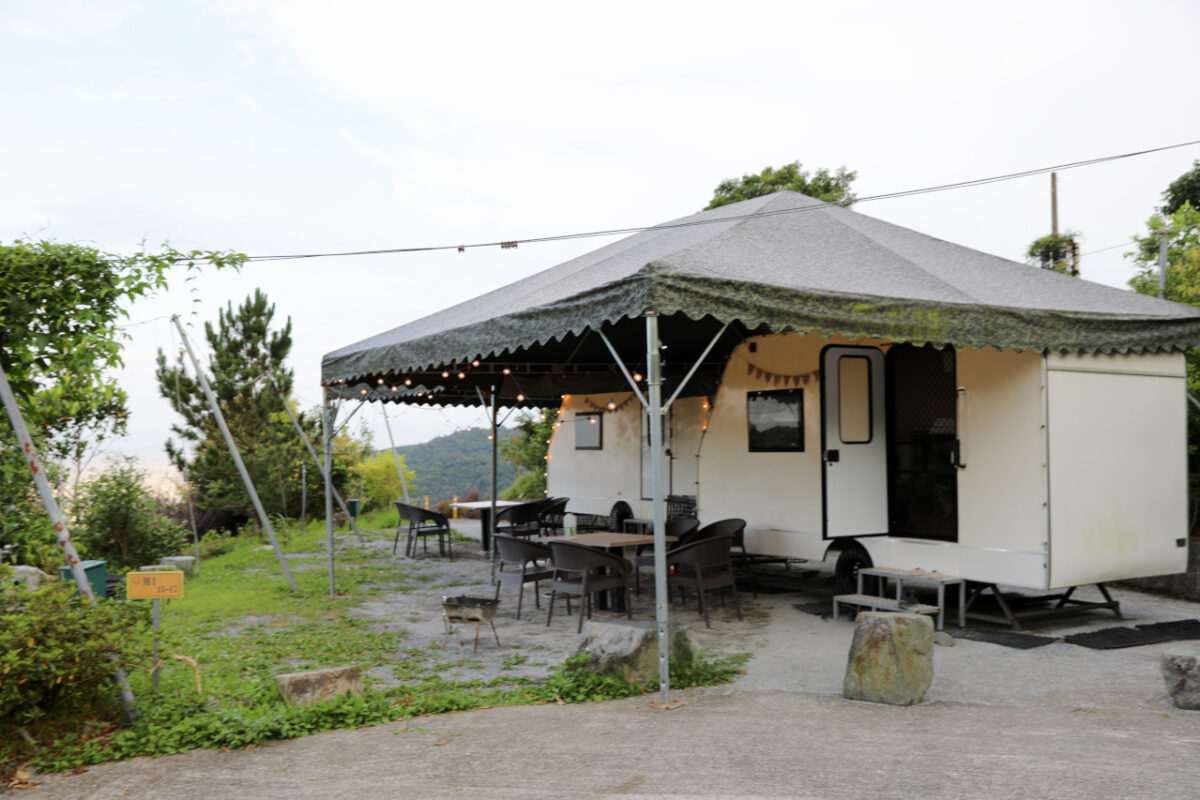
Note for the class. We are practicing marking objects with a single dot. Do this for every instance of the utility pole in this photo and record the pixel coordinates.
(1162, 257)
(1054, 204)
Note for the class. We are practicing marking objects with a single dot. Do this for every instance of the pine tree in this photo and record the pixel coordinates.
(245, 351)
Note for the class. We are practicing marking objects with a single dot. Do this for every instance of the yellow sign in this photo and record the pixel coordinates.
(167, 585)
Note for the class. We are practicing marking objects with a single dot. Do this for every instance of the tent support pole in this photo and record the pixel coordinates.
(263, 519)
(396, 456)
(654, 381)
(50, 503)
(317, 459)
(621, 364)
(326, 435)
(491, 532)
(683, 383)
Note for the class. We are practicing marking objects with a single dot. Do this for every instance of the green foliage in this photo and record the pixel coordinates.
(60, 310)
(377, 482)
(1057, 253)
(527, 452)
(120, 521)
(1184, 189)
(822, 184)
(457, 464)
(55, 650)
(1183, 286)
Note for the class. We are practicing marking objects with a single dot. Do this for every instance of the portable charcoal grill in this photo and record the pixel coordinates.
(477, 610)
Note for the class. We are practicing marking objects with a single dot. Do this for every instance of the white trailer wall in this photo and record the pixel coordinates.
(1118, 467)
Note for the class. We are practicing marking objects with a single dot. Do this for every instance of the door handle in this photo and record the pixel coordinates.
(833, 456)
(956, 456)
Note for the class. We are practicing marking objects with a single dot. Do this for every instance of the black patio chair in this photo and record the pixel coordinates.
(529, 562)
(580, 570)
(422, 523)
(519, 520)
(550, 517)
(702, 565)
(684, 528)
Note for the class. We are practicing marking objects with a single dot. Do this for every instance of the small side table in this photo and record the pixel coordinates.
(902, 577)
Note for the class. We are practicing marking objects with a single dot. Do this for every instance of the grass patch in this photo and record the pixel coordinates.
(243, 625)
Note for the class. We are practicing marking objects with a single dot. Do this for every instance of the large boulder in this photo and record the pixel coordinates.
(891, 658)
(30, 577)
(310, 688)
(629, 648)
(1181, 671)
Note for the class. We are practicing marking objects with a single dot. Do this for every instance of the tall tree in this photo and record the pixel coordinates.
(1183, 286)
(831, 187)
(1184, 189)
(527, 451)
(245, 350)
(61, 306)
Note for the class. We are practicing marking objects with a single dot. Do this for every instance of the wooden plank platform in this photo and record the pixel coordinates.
(881, 604)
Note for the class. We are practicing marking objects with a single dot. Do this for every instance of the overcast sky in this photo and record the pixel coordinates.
(277, 128)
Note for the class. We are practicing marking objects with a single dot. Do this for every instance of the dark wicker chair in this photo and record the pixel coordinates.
(580, 571)
(422, 524)
(550, 517)
(704, 564)
(529, 562)
(519, 520)
(684, 528)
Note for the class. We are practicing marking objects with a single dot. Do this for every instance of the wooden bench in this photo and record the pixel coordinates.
(881, 604)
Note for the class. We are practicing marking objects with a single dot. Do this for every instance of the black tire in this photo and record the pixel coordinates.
(848, 564)
(620, 512)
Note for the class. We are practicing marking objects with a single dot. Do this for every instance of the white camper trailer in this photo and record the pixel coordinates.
(1041, 471)
(839, 383)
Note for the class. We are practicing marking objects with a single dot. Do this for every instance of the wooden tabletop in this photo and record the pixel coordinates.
(479, 505)
(606, 539)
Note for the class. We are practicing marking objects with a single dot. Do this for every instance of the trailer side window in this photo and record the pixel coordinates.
(589, 429)
(854, 399)
(775, 421)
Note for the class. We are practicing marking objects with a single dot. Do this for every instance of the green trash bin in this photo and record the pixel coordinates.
(354, 505)
(97, 575)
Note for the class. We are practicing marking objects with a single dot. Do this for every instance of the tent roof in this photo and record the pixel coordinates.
(783, 262)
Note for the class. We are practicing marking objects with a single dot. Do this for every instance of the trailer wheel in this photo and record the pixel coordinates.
(849, 562)
(617, 516)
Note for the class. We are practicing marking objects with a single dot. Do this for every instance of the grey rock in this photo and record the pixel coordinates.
(944, 639)
(310, 688)
(629, 648)
(891, 658)
(185, 564)
(1181, 671)
(31, 577)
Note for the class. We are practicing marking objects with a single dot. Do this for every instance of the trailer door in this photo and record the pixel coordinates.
(853, 442)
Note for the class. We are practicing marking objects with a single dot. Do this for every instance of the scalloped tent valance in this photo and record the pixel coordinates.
(774, 263)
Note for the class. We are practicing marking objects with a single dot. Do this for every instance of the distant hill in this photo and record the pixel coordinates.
(456, 464)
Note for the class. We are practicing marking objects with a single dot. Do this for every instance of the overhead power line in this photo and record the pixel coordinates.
(669, 226)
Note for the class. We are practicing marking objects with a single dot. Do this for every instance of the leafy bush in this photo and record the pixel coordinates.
(216, 543)
(119, 520)
(55, 649)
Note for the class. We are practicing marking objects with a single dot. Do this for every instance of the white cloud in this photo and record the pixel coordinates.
(64, 21)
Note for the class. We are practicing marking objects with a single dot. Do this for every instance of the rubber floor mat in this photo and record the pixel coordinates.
(1113, 638)
(1021, 641)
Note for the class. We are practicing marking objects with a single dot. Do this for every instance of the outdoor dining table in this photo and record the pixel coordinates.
(609, 540)
(484, 507)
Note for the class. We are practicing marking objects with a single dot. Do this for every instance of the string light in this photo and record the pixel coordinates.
(475, 363)
(520, 398)
(445, 374)
(507, 371)
(637, 377)
(380, 381)
(408, 381)
(462, 375)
